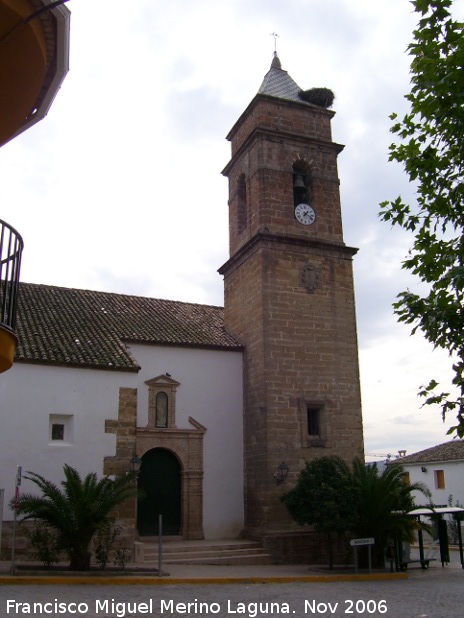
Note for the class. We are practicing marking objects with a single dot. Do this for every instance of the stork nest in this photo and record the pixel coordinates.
(322, 97)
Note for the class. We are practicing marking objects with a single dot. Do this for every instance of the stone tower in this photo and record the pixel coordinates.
(289, 295)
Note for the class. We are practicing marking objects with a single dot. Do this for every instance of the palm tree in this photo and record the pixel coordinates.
(360, 502)
(383, 500)
(77, 511)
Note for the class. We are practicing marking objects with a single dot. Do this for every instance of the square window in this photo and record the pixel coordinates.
(61, 429)
(57, 431)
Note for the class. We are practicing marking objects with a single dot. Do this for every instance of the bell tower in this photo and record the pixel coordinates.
(289, 295)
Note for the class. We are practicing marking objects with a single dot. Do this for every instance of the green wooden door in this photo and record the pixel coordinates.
(160, 488)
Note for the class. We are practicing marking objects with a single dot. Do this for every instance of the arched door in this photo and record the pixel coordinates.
(160, 488)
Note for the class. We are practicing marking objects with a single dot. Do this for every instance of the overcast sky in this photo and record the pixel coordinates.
(120, 187)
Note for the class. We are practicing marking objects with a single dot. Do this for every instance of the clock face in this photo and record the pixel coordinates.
(305, 214)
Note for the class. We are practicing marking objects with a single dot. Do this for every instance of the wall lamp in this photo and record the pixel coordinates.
(135, 464)
(281, 473)
(424, 469)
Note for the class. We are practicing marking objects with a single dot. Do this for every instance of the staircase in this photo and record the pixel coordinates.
(217, 552)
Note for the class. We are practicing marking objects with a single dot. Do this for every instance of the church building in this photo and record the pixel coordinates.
(222, 405)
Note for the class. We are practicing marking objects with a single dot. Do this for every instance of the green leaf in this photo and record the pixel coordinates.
(430, 138)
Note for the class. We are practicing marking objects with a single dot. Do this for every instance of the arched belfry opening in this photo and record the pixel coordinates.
(242, 207)
(302, 183)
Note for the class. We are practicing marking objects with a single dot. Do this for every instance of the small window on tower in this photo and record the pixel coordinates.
(242, 214)
(314, 421)
(313, 430)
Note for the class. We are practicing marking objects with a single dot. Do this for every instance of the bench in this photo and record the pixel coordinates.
(429, 557)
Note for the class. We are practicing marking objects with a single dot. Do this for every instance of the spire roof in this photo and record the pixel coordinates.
(278, 83)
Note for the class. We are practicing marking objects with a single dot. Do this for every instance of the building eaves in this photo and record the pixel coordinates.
(85, 328)
(448, 451)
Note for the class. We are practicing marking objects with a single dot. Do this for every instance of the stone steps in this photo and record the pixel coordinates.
(229, 552)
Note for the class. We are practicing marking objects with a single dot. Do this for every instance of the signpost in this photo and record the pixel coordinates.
(2, 493)
(355, 543)
(15, 508)
(160, 544)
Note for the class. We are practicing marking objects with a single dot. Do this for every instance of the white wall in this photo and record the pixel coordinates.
(453, 472)
(29, 394)
(210, 391)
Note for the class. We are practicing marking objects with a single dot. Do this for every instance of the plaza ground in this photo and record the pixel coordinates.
(248, 591)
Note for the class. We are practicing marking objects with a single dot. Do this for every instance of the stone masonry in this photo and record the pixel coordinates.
(289, 300)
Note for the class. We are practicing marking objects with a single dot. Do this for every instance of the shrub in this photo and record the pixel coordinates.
(45, 544)
(106, 537)
(122, 557)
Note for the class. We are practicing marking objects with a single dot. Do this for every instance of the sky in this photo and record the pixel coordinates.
(120, 188)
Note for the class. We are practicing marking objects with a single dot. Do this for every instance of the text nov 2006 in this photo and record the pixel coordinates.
(122, 609)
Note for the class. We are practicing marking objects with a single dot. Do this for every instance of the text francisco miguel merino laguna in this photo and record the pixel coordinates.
(121, 609)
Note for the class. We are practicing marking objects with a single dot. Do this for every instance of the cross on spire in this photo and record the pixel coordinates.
(276, 36)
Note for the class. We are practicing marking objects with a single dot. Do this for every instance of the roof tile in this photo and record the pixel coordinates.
(85, 328)
(448, 451)
(278, 83)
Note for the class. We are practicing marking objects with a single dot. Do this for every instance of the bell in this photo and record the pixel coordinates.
(298, 183)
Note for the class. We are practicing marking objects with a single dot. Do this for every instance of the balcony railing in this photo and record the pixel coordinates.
(11, 248)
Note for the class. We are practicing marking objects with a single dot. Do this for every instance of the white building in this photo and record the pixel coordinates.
(441, 469)
(92, 367)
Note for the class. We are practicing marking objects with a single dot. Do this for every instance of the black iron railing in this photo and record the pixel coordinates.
(11, 248)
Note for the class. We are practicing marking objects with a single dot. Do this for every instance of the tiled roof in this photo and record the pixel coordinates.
(84, 328)
(278, 83)
(448, 451)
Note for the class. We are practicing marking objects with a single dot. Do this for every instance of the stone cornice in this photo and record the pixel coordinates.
(265, 237)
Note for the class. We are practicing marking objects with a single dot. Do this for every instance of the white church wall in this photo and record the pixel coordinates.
(211, 392)
(80, 398)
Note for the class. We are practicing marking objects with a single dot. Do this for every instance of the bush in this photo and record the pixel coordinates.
(122, 557)
(45, 543)
(106, 537)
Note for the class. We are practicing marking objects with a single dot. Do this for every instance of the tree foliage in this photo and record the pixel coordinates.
(360, 501)
(318, 498)
(382, 500)
(430, 146)
(315, 499)
(77, 511)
